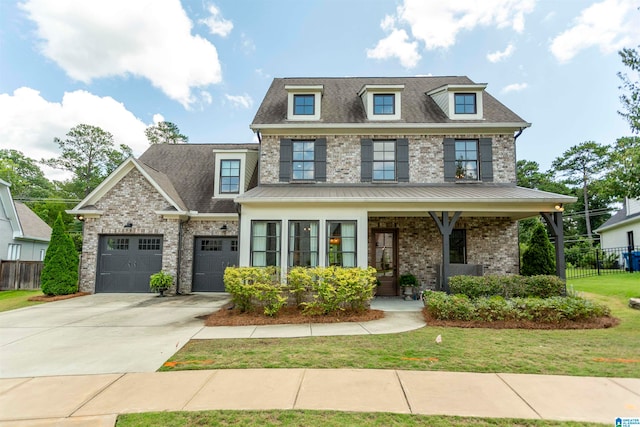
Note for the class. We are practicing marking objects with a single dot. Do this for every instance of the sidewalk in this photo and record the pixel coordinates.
(95, 400)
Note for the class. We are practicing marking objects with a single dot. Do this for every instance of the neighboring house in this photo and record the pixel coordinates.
(23, 235)
(171, 209)
(622, 230)
(409, 175)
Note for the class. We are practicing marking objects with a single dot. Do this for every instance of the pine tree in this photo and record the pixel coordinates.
(539, 256)
(60, 270)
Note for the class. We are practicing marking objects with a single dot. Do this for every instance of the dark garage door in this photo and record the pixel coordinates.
(211, 256)
(126, 262)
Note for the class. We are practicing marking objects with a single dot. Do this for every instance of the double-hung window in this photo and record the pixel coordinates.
(265, 243)
(384, 160)
(458, 246)
(303, 243)
(304, 105)
(384, 104)
(465, 103)
(303, 160)
(341, 243)
(466, 152)
(14, 251)
(230, 176)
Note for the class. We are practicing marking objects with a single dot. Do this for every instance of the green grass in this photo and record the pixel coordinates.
(321, 418)
(613, 352)
(11, 300)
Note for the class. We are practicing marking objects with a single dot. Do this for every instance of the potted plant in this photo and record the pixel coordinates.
(160, 282)
(408, 282)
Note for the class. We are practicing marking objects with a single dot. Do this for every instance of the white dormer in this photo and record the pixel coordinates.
(382, 102)
(232, 172)
(304, 102)
(460, 102)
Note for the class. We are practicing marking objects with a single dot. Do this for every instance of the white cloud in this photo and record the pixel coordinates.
(216, 23)
(240, 101)
(157, 118)
(98, 39)
(29, 123)
(609, 25)
(248, 46)
(501, 55)
(396, 45)
(514, 87)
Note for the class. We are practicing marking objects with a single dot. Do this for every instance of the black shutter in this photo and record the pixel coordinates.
(402, 159)
(366, 160)
(486, 160)
(286, 155)
(320, 159)
(449, 146)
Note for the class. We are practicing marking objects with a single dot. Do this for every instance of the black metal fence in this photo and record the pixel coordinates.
(594, 261)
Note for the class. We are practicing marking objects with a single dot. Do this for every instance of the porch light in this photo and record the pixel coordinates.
(128, 225)
(80, 217)
(224, 227)
(559, 207)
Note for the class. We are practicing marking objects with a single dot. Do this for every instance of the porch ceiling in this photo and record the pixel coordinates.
(472, 199)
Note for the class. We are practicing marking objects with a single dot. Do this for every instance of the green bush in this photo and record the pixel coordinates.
(60, 270)
(542, 310)
(160, 281)
(509, 286)
(336, 288)
(539, 257)
(299, 281)
(249, 286)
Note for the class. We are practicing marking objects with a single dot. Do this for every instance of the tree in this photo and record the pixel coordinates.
(623, 178)
(539, 256)
(88, 152)
(631, 99)
(580, 165)
(25, 176)
(165, 133)
(60, 270)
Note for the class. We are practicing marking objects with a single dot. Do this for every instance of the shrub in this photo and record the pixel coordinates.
(539, 257)
(160, 281)
(337, 288)
(507, 286)
(60, 270)
(408, 280)
(300, 281)
(249, 285)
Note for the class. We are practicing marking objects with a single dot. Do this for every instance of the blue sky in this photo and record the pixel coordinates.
(206, 65)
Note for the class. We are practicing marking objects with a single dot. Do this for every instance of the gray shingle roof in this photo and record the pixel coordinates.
(341, 103)
(619, 217)
(32, 225)
(186, 173)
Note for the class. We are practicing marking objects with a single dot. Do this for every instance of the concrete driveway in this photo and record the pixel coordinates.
(97, 334)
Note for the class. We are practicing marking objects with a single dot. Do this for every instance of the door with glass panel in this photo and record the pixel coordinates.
(385, 260)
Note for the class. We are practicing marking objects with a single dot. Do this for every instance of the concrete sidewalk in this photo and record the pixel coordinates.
(95, 400)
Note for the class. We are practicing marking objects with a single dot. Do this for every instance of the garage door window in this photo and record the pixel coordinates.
(117, 244)
(208, 245)
(152, 244)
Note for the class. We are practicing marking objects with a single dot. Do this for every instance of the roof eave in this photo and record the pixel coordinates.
(391, 125)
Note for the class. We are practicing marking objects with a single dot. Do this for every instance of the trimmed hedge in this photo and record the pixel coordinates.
(319, 290)
(507, 286)
(488, 309)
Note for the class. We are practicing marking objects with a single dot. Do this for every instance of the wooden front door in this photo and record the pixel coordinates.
(385, 260)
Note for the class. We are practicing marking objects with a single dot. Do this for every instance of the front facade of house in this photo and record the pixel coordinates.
(409, 175)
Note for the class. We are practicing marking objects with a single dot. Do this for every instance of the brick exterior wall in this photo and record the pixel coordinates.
(426, 157)
(491, 242)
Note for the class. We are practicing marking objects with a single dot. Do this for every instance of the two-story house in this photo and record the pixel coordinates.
(409, 175)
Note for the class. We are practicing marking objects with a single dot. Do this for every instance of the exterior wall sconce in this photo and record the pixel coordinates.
(224, 227)
(559, 207)
(80, 217)
(128, 225)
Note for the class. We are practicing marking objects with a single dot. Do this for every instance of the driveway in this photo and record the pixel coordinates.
(102, 333)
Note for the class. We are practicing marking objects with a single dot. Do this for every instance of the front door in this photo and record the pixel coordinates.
(385, 253)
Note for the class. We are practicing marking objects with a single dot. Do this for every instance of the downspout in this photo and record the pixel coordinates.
(515, 168)
(180, 224)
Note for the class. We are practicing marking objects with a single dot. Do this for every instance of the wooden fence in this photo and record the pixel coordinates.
(20, 275)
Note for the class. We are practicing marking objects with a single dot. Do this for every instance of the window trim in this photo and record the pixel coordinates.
(293, 90)
(464, 95)
(291, 252)
(384, 96)
(14, 251)
(277, 239)
(303, 162)
(367, 94)
(297, 96)
(341, 253)
(477, 160)
(221, 178)
(374, 161)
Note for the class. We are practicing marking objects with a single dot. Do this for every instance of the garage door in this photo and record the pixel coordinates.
(211, 256)
(126, 262)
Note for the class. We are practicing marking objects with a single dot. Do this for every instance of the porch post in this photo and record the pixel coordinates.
(554, 220)
(445, 226)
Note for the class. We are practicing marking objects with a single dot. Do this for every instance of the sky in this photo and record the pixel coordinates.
(124, 65)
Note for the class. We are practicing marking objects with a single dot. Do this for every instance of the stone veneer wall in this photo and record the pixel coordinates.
(133, 200)
(191, 230)
(492, 242)
(426, 157)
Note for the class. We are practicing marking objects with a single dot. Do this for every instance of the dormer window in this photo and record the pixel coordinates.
(465, 103)
(304, 102)
(229, 176)
(382, 102)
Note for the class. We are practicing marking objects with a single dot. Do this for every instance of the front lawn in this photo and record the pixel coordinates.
(10, 300)
(323, 418)
(613, 352)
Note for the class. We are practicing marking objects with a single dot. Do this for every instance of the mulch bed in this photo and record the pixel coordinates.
(228, 316)
(597, 323)
(49, 298)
